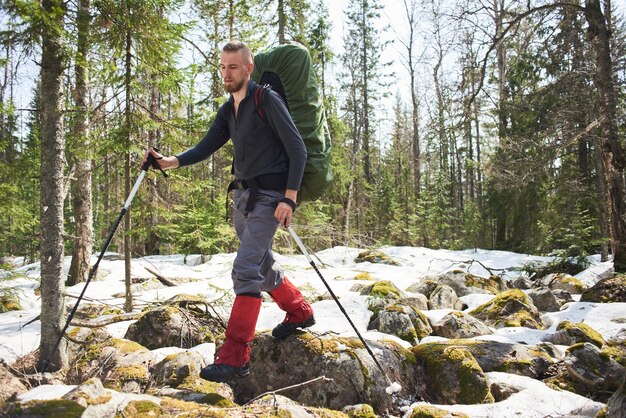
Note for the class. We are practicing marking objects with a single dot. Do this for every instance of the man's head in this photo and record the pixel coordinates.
(236, 65)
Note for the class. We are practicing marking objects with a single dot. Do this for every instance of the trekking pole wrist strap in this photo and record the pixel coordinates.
(289, 202)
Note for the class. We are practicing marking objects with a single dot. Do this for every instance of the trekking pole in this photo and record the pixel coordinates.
(151, 162)
(393, 387)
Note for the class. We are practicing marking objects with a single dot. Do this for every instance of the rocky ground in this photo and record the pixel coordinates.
(458, 343)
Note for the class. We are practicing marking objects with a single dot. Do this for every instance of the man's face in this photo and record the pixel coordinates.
(236, 68)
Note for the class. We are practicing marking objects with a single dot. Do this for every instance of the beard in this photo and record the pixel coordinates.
(232, 88)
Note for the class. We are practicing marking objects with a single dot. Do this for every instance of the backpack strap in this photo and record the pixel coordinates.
(259, 93)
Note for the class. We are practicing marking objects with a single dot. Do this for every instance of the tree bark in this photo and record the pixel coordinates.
(52, 187)
(81, 184)
(282, 22)
(128, 303)
(612, 152)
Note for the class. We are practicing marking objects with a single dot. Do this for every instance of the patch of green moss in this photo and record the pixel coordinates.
(9, 303)
(362, 411)
(582, 332)
(385, 289)
(427, 411)
(125, 346)
(55, 408)
(135, 372)
(363, 276)
(603, 413)
(140, 409)
(320, 346)
(616, 352)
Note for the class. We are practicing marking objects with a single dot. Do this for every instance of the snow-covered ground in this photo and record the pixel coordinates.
(211, 279)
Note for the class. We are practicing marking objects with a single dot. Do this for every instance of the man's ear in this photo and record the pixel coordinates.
(250, 67)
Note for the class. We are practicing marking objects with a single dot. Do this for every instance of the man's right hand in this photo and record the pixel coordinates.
(164, 162)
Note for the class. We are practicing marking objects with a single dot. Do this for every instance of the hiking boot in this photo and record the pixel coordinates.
(285, 329)
(223, 372)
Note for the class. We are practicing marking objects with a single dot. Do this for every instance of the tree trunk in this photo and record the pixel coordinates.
(52, 185)
(612, 152)
(128, 303)
(367, 165)
(81, 184)
(152, 241)
(282, 22)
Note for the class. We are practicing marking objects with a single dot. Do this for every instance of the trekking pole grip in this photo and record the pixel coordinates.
(152, 162)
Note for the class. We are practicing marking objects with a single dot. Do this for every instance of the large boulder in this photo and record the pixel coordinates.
(177, 324)
(587, 366)
(451, 376)
(355, 376)
(512, 308)
(612, 289)
(493, 356)
(570, 334)
(460, 325)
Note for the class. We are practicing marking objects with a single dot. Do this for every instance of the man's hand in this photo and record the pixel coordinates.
(284, 211)
(164, 162)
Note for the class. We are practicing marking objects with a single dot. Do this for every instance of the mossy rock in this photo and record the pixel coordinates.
(359, 411)
(141, 409)
(460, 325)
(493, 356)
(120, 364)
(215, 394)
(305, 356)
(54, 408)
(452, 375)
(375, 257)
(174, 326)
(174, 369)
(512, 308)
(383, 289)
(612, 289)
(403, 321)
(427, 411)
(568, 334)
(493, 284)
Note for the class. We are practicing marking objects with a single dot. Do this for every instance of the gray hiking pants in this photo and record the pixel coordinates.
(253, 268)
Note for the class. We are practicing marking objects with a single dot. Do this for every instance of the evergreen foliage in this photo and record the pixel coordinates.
(510, 161)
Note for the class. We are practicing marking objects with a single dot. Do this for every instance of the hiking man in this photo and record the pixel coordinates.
(269, 160)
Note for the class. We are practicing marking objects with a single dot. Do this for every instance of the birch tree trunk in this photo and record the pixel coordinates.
(52, 187)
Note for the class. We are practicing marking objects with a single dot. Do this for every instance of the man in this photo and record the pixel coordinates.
(269, 159)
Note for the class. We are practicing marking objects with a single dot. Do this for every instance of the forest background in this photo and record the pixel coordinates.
(487, 125)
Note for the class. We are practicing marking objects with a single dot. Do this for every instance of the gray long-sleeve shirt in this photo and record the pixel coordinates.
(260, 147)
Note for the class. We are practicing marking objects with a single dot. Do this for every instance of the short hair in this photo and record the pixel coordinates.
(236, 46)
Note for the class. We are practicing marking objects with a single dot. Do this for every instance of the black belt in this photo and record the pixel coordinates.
(276, 181)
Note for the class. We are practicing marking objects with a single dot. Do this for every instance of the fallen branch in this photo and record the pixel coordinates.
(160, 278)
(274, 392)
(108, 321)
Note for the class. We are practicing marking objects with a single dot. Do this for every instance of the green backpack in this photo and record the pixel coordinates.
(288, 70)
